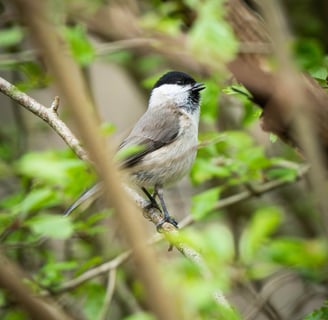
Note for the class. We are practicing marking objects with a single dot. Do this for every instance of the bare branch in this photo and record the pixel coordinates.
(49, 115)
(109, 294)
(11, 280)
(94, 272)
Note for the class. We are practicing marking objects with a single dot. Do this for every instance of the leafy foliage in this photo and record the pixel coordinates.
(319, 314)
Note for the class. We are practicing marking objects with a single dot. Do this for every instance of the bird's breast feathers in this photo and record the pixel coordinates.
(171, 162)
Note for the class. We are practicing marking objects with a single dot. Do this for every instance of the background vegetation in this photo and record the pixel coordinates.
(252, 215)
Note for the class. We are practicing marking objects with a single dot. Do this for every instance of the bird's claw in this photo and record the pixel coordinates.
(167, 219)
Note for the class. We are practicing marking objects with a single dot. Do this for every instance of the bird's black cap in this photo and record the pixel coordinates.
(174, 77)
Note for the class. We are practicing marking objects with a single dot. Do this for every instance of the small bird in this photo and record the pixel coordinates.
(166, 137)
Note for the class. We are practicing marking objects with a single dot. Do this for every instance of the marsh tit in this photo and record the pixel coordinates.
(167, 134)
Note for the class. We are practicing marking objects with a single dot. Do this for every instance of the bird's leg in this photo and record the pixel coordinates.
(151, 198)
(167, 218)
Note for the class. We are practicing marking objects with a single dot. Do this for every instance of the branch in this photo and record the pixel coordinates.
(38, 309)
(259, 300)
(109, 294)
(259, 190)
(49, 115)
(93, 273)
(71, 84)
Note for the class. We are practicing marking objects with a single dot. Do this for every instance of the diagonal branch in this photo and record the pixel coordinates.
(49, 115)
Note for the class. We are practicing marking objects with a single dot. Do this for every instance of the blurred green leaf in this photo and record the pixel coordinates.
(11, 36)
(128, 151)
(319, 314)
(202, 170)
(286, 174)
(33, 75)
(219, 243)
(320, 73)
(273, 138)
(37, 199)
(107, 128)
(140, 316)
(209, 101)
(51, 273)
(309, 54)
(91, 224)
(264, 222)
(15, 315)
(204, 202)
(211, 38)
(55, 168)
(96, 260)
(52, 226)
(80, 45)
(298, 252)
(162, 18)
(94, 294)
(119, 57)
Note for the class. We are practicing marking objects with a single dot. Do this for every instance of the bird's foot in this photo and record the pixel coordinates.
(166, 219)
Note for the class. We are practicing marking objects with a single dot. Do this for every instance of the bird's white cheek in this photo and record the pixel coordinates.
(168, 94)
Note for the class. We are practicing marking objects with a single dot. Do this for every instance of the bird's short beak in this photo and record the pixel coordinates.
(198, 86)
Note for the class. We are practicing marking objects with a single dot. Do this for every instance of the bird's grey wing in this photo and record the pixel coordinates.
(155, 129)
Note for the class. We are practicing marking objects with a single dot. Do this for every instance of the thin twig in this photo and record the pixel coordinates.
(109, 294)
(260, 299)
(49, 115)
(94, 272)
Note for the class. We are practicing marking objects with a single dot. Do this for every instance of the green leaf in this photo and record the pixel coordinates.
(320, 73)
(80, 45)
(126, 152)
(209, 106)
(94, 294)
(15, 315)
(37, 199)
(204, 202)
(297, 252)
(107, 128)
(11, 36)
(286, 174)
(57, 227)
(263, 223)
(273, 138)
(220, 243)
(34, 76)
(211, 39)
(140, 316)
(203, 170)
(319, 314)
(309, 53)
(52, 272)
(54, 168)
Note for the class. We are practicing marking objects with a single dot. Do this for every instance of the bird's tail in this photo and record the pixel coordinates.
(91, 193)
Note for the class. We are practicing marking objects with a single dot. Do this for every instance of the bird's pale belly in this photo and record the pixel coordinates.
(166, 165)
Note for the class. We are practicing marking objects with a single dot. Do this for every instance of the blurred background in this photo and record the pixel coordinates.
(263, 242)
